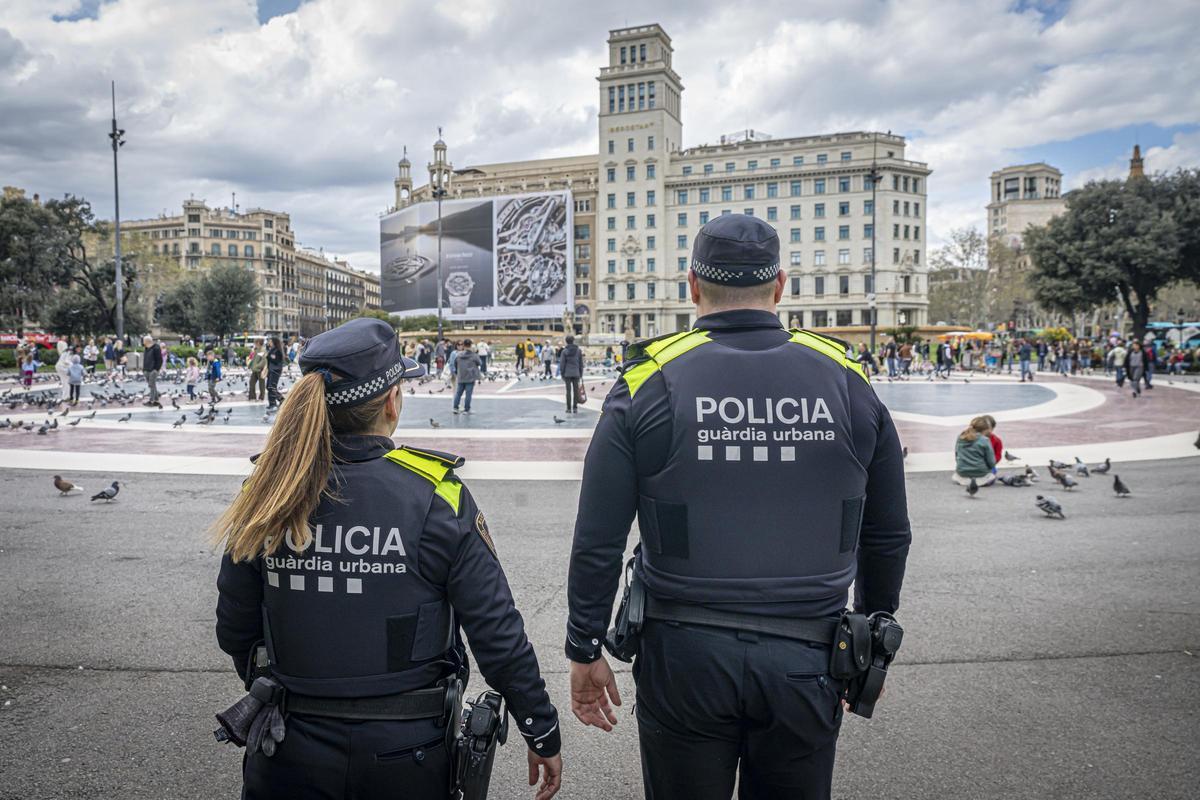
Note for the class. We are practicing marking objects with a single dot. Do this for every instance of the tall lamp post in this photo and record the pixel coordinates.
(873, 175)
(117, 135)
(439, 184)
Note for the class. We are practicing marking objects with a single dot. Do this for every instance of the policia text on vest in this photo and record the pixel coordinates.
(766, 478)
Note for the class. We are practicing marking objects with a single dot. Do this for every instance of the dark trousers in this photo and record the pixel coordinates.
(325, 758)
(714, 705)
(572, 393)
(75, 387)
(273, 396)
(256, 382)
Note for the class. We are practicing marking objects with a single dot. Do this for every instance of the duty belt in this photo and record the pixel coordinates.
(821, 631)
(419, 704)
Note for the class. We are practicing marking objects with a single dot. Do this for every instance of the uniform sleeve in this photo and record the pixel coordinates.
(623, 446)
(886, 535)
(483, 604)
(239, 610)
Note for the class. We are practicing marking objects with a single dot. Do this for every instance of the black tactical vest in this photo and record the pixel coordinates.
(352, 615)
(761, 497)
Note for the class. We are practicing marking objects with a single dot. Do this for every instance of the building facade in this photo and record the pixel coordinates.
(852, 247)
(1021, 196)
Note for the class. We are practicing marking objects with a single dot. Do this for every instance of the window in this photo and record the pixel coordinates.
(795, 188)
(774, 163)
(819, 210)
(916, 256)
(843, 232)
(708, 168)
(906, 183)
(896, 231)
(906, 208)
(247, 250)
(232, 250)
(819, 186)
(630, 265)
(215, 233)
(681, 264)
(216, 249)
(631, 173)
(612, 223)
(772, 190)
(612, 291)
(681, 241)
(916, 231)
(772, 213)
(845, 155)
(650, 100)
(704, 195)
(895, 183)
(726, 193)
(651, 241)
(612, 245)
(895, 255)
(917, 209)
(612, 266)
(844, 317)
(868, 231)
(797, 161)
(650, 263)
(794, 258)
(623, 55)
(819, 234)
(630, 291)
(611, 174)
(612, 201)
(819, 285)
(681, 220)
(730, 166)
(682, 196)
(916, 185)
(843, 184)
(642, 52)
(651, 220)
(193, 219)
(748, 192)
(818, 258)
(896, 207)
(843, 209)
(907, 284)
(905, 231)
(822, 158)
(868, 184)
(683, 290)
(843, 256)
(650, 287)
(795, 212)
(749, 212)
(687, 170)
(650, 197)
(630, 222)
(868, 284)
(193, 231)
(795, 286)
(868, 207)
(175, 249)
(630, 199)
(703, 217)
(610, 141)
(649, 142)
(267, 223)
(629, 141)
(868, 254)
(725, 211)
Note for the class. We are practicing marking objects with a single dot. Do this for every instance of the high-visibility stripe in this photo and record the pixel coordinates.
(661, 352)
(829, 348)
(432, 470)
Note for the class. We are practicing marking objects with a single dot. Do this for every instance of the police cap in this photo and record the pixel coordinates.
(361, 360)
(736, 250)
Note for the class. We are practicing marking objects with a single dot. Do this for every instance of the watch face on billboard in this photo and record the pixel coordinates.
(508, 257)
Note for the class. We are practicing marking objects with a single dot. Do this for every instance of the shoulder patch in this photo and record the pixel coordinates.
(449, 459)
(638, 349)
(481, 527)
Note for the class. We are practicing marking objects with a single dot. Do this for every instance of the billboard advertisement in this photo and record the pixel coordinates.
(504, 257)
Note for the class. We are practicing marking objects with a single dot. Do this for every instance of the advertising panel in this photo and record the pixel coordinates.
(505, 257)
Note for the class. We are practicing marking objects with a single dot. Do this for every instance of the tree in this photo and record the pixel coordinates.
(73, 312)
(424, 322)
(1123, 239)
(377, 313)
(179, 307)
(31, 263)
(226, 299)
(958, 279)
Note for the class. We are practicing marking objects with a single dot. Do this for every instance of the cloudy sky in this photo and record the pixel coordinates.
(304, 105)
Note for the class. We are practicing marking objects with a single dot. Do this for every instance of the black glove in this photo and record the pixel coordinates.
(255, 721)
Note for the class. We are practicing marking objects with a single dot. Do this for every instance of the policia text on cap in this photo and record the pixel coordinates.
(766, 477)
(349, 567)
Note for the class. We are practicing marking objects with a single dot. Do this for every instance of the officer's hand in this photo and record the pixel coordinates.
(551, 774)
(592, 687)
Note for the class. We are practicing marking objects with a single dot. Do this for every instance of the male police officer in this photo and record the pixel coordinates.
(749, 454)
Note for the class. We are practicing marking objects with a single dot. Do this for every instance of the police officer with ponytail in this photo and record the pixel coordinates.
(765, 477)
(350, 567)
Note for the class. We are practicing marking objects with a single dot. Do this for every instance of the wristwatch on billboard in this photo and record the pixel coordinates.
(459, 286)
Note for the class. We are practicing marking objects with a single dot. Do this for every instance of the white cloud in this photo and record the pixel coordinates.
(308, 112)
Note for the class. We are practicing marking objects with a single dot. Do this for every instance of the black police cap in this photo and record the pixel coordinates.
(364, 354)
(736, 250)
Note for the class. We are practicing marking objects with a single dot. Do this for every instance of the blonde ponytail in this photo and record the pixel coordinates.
(288, 481)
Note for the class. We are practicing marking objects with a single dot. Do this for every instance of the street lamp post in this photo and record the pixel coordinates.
(874, 177)
(439, 183)
(117, 136)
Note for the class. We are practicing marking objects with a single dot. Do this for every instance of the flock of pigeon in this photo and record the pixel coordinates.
(1061, 472)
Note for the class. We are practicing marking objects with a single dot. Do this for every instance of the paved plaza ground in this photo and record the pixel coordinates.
(1042, 658)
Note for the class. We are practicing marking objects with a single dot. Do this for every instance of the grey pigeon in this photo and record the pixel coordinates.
(558, 421)
(1081, 468)
(1197, 442)
(1050, 506)
(1015, 481)
(179, 421)
(1103, 468)
(1119, 487)
(75, 421)
(433, 423)
(1010, 457)
(126, 418)
(1067, 481)
(1058, 464)
(972, 488)
(108, 494)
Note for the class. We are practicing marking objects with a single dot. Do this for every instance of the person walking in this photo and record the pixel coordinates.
(258, 372)
(1116, 357)
(520, 353)
(275, 359)
(547, 359)
(890, 356)
(531, 356)
(485, 352)
(733, 666)
(212, 374)
(440, 350)
(29, 367)
(1025, 355)
(152, 364)
(1135, 366)
(360, 632)
(192, 377)
(570, 369)
(467, 370)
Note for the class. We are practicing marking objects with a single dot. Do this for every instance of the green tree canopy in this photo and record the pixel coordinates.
(179, 307)
(226, 299)
(1123, 240)
(958, 279)
(31, 262)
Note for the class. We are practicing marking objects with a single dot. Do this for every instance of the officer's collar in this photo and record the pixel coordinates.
(354, 447)
(738, 318)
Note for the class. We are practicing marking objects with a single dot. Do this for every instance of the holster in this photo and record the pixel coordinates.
(861, 654)
(484, 725)
(625, 636)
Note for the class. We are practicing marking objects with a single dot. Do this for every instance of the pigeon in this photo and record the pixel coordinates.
(228, 413)
(1010, 457)
(1055, 473)
(42, 430)
(1067, 481)
(179, 421)
(107, 494)
(1081, 468)
(75, 421)
(205, 421)
(174, 403)
(558, 421)
(1014, 480)
(126, 418)
(1050, 506)
(972, 488)
(65, 487)
(7, 423)
(1059, 464)
(65, 411)
(1119, 487)
(1103, 468)
(433, 423)
(1197, 442)
(91, 415)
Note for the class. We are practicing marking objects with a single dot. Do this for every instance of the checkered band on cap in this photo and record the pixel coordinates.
(760, 274)
(364, 390)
